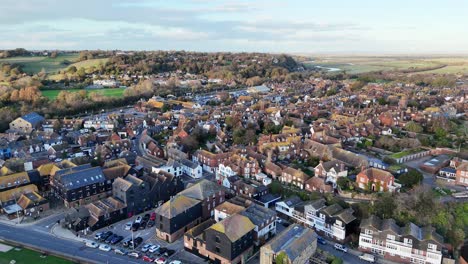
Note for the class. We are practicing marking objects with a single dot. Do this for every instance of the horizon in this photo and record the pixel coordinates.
(361, 28)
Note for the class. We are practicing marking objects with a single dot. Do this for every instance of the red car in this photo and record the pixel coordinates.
(147, 259)
(153, 216)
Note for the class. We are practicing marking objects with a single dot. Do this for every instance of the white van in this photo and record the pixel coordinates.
(368, 257)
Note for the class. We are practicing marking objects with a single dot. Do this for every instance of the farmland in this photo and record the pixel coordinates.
(109, 92)
(34, 64)
(355, 65)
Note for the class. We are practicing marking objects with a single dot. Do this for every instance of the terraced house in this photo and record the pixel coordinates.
(407, 244)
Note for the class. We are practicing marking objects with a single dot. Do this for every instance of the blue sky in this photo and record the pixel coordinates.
(295, 26)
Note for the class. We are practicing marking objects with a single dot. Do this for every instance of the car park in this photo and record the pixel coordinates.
(340, 247)
(128, 226)
(153, 248)
(134, 255)
(104, 247)
(92, 244)
(120, 251)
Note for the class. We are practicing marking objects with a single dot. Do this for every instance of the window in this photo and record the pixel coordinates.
(390, 237)
(217, 250)
(432, 246)
(217, 239)
(408, 241)
(368, 232)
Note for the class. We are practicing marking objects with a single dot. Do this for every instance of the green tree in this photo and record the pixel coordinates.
(281, 258)
(411, 178)
(413, 127)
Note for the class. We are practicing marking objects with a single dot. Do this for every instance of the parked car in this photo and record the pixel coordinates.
(109, 239)
(116, 240)
(128, 226)
(92, 244)
(161, 251)
(153, 216)
(135, 227)
(150, 223)
(153, 248)
(134, 254)
(285, 224)
(368, 257)
(147, 259)
(321, 240)
(97, 236)
(160, 261)
(120, 251)
(126, 241)
(135, 242)
(169, 252)
(146, 217)
(104, 247)
(278, 220)
(143, 224)
(105, 235)
(175, 262)
(138, 220)
(146, 247)
(340, 247)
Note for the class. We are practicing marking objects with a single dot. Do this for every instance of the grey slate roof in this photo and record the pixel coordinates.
(188, 163)
(258, 214)
(292, 241)
(33, 118)
(79, 176)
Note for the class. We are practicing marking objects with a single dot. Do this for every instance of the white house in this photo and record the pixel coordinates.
(286, 207)
(263, 178)
(224, 171)
(192, 169)
(172, 167)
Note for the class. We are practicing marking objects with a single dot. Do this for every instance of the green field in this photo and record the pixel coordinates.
(110, 92)
(35, 64)
(26, 256)
(355, 65)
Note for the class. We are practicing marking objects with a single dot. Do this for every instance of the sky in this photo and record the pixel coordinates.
(290, 26)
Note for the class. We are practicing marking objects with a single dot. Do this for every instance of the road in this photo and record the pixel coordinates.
(45, 240)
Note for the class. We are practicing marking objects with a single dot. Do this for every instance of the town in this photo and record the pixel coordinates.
(315, 169)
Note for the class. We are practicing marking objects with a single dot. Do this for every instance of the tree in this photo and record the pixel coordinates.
(71, 69)
(411, 178)
(413, 127)
(281, 258)
(385, 206)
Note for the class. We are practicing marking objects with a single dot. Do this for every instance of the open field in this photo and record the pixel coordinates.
(354, 65)
(34, 64)
(110, 92)
(26, 256)
(89, 63)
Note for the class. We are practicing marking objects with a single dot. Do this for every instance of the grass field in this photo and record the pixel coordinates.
(26, 256)
(36, 64)
(89, 63)
(354, 65)
(110, 92)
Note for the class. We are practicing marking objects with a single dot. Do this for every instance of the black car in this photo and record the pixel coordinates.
(150, 223)
(285, 224)
(109, 239)
(146, 217)
(116, 240)
(143, 224)
(161, 251)
(321, 240)
(135, 226)
(169, 253)
(105, 235)
(136, 242)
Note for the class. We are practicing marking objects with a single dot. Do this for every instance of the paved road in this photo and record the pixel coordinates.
(44, 239)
